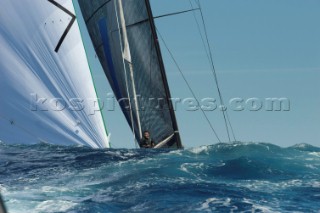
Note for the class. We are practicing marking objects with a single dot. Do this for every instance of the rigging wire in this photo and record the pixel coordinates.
(200, 31)
(209, 54)
(231, 127)
(187, 83)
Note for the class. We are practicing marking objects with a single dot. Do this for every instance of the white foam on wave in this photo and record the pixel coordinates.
(310, 166)
(141, 207)
(198, 150)
(264, 209)
(51, 206)
(260, 206)
(3, 189)
(186, 166)
(301, 145)
(264, 185)
(317, 154)
(316, 184)
(177, 152)
(52, 189)
(205, 206)
(115, 153)
(130, 154)
(16, 206)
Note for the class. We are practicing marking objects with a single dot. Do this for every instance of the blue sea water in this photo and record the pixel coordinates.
(239, 177)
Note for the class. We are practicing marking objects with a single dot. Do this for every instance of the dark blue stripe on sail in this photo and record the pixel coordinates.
(103, 28)
(108, 55)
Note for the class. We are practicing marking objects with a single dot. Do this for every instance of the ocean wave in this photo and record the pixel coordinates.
(218, 178)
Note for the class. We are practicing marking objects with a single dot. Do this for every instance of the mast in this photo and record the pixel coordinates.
(163, 74)
(127, 56)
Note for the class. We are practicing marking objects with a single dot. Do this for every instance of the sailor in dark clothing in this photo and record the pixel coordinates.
(146, 141)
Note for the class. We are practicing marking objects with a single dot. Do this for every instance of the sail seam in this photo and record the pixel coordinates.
(95, 12)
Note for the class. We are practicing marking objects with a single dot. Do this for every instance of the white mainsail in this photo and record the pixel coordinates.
(32, 72)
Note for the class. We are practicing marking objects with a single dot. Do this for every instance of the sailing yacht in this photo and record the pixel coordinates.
(48, 92)
(46, 77)
(124, 36)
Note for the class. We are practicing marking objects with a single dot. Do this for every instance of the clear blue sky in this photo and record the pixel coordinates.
(261, 49)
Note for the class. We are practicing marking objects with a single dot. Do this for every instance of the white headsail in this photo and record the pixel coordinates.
(46, 88)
